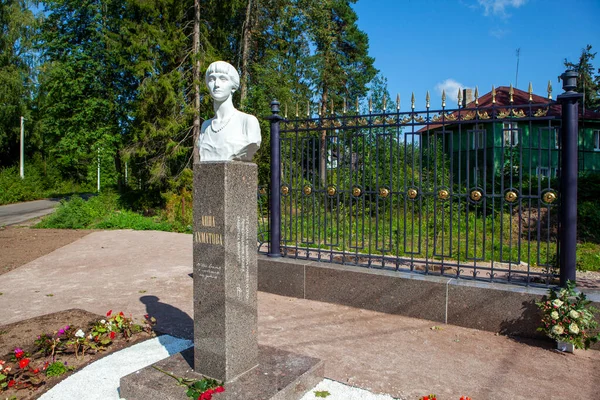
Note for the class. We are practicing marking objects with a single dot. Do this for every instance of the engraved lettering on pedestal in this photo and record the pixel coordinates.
(243, 229)
(208, 238)
(208, 220)
(208, 271)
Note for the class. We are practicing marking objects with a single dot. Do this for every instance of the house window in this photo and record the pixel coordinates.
(511, 134)
(597, 140)
(544, 172)
(478, 139)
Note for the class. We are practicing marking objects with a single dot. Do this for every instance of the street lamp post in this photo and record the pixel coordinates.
(22, 160)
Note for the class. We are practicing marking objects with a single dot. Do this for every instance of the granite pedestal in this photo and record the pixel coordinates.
(225, 310)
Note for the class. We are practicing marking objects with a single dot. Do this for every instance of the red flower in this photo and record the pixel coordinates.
(465, 398)
(12, 383)
(108, 313)
(35, 371)
(23, 363)
(121, 314)
(112, 335)
(19, 353)
(220, 389)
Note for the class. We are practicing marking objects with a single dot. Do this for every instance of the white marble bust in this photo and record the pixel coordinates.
(230, 134)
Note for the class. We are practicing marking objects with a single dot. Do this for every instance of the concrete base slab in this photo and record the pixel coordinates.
(280, 375)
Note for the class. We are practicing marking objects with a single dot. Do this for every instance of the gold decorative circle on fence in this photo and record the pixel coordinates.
(443, 194)
(412, 193)
(549, 197)
(285, 190)
(307, 190)
(510, 196)
(331, 190)
(476, 195)
(384, 192)
(356, 191)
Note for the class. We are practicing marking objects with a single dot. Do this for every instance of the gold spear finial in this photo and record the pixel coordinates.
(493, 95)
(511, 91)
(285, 111)
(412, 101)
(476, 96)
(398, 102)
(530, 90)
(549, 90)
(296, 109)
(444, 98)
(332, 109)
(427, 98)
(459, 97)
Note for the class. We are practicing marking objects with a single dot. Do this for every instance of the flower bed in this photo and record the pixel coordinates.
(38, 353)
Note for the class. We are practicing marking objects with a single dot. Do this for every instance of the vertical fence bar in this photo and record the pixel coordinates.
(275, 199)
(568, 178)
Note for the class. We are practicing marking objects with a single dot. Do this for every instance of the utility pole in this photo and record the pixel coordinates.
(517, 76)
(98, 169)
(22, 163)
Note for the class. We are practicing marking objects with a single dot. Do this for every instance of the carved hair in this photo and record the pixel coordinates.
(222, 67)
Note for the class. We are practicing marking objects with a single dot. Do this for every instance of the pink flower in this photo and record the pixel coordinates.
(19, 353)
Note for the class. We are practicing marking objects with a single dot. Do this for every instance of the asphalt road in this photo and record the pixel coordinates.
(20, 212)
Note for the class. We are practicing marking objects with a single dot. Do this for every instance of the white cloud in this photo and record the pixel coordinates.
(451, 87)
(498, 7)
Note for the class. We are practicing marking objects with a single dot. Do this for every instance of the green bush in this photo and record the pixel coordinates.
(36, 185)
(131, 220)
(78, 213)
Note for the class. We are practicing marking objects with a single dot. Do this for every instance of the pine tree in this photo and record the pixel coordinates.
(588, 82)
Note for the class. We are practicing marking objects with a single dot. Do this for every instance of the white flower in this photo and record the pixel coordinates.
(554, 315)
(557, 303)
(90, 336)
(573, 328)
(80, 334)
(103, 322)
(574, 314)
(1, 367)
(558, 330)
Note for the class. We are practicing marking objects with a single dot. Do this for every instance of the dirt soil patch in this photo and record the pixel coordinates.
(20, 244)
(23, 334)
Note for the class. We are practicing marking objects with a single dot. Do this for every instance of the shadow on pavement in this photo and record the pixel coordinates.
(170, 320)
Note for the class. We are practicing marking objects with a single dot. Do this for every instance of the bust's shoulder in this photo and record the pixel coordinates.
(248, 118)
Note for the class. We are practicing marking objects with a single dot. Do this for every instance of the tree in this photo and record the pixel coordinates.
(588, 82)
(79, 107)
(342, 66)
(17, 24)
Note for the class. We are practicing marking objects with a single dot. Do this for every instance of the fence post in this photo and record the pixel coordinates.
(275, 194)
(569, 101)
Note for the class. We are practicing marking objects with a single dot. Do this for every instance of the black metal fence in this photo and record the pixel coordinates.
(471, 192)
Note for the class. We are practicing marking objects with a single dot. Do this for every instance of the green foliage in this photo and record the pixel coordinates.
(57, 368)
(78, 213)
(588, 81)
(35, 185)
(130, 220)
(322, 393)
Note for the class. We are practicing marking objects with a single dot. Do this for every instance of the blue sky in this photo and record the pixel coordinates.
(421, 45)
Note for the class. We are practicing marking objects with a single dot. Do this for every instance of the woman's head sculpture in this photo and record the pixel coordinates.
(230, 134)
